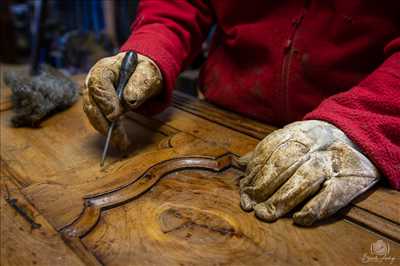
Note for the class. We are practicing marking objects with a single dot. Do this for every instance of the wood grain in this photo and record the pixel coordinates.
(23, 245)
(65, 143)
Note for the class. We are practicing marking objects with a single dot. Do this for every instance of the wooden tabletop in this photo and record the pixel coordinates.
(171, 200)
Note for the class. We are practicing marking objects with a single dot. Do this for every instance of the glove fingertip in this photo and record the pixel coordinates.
(304, 218)
(266, 212)
(246, 203)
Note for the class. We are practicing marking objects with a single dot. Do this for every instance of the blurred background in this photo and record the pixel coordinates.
(71, 35)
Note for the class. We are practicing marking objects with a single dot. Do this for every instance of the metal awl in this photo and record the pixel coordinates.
(128, 66)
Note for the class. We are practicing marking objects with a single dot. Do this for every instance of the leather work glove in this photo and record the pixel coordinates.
(100, 101)
(309, 161)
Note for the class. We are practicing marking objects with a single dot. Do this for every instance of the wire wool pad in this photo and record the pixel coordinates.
(36, 97)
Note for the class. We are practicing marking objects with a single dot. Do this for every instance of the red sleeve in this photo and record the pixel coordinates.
(170, 33)
(369, 114)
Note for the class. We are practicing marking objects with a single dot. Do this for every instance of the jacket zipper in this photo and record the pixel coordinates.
(287, 58)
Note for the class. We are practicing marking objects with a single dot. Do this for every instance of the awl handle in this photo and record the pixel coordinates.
(128, 66)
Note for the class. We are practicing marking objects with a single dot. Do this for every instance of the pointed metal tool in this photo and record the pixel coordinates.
(128, 66)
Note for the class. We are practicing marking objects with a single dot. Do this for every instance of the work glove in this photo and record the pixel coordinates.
(309, 161)
(100, 101)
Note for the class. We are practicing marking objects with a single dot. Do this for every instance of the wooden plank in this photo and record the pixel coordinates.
(383, 202)
(374, 222)
(23, 245)
(222, 117)
(57, 185)
(149, 230)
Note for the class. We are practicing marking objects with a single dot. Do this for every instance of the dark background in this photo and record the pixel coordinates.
(72, 32)
(73, 35)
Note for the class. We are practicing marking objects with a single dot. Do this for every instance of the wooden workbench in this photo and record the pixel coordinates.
(171, 200)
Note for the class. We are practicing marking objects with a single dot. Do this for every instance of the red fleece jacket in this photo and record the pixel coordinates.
(281, 61)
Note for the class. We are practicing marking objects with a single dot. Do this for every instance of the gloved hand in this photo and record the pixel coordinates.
(100, 101)
(309, 160)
